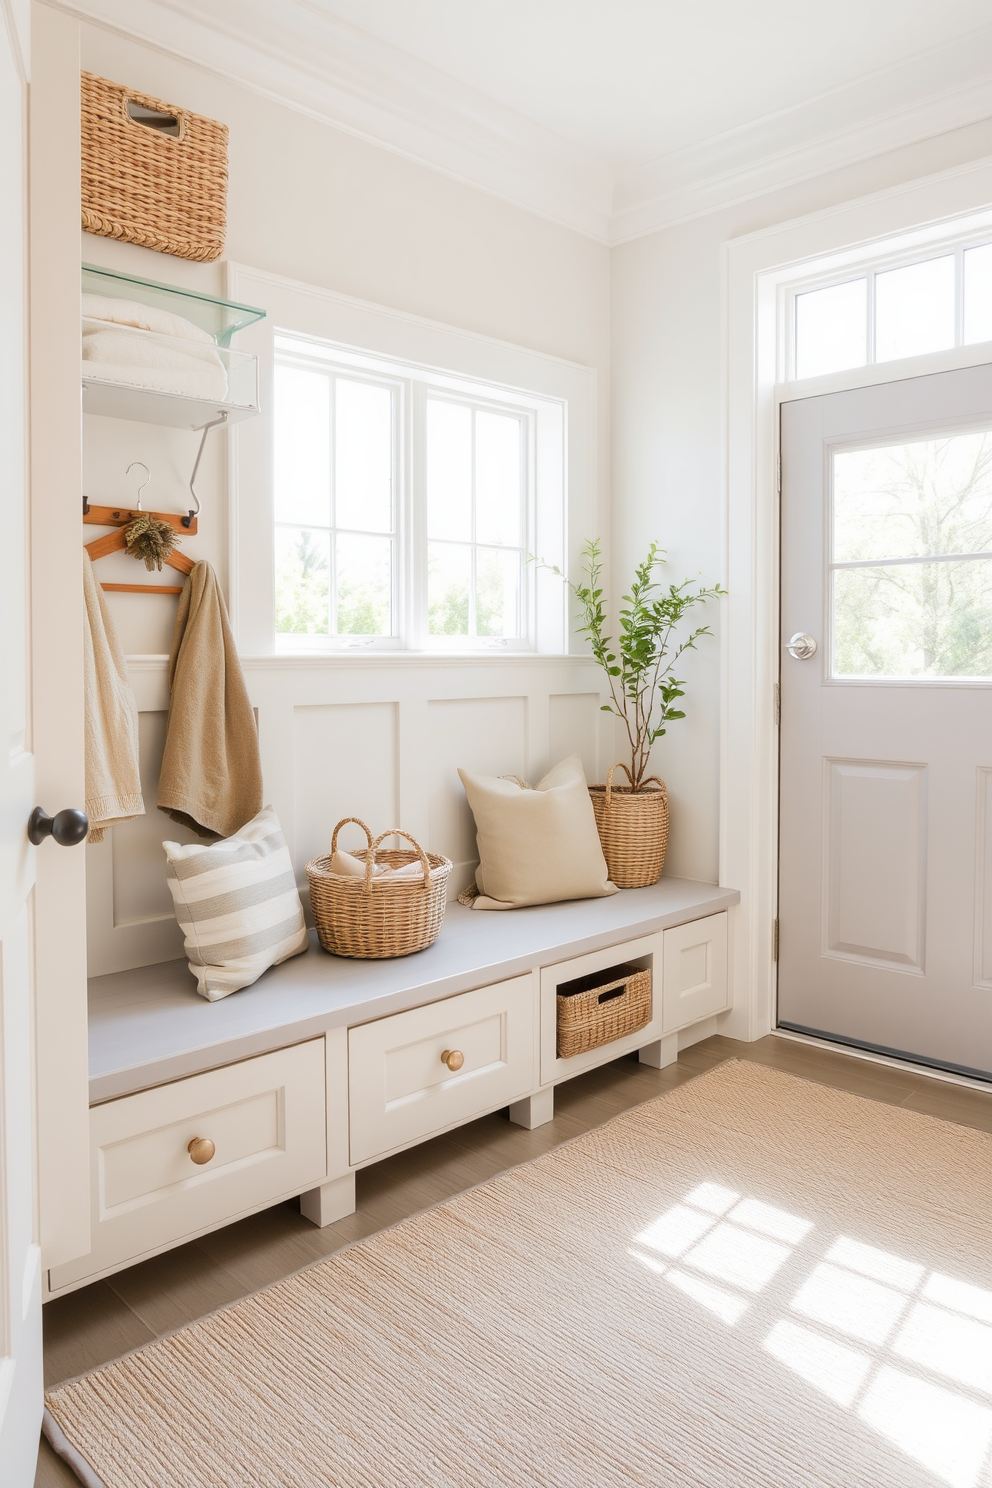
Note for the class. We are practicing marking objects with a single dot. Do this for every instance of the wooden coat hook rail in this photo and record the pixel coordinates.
(120, 517)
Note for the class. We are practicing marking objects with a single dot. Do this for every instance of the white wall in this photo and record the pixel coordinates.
(668, 362)
(320, 206)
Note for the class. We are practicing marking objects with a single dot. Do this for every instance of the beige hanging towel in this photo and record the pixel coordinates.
(211, 772)
(113, 783)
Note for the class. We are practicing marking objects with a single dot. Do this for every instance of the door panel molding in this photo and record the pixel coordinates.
(875, 863)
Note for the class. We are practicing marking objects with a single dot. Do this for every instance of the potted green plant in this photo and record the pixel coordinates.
(644, 694)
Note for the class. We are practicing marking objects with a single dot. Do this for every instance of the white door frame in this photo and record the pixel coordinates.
(755, 270)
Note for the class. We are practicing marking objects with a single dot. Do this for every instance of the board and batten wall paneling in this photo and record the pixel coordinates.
(485, 735)
(345, 764)
(379, 738)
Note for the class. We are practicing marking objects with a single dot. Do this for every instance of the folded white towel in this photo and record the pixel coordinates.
(121, 356)
(349, 866)
(143, 317)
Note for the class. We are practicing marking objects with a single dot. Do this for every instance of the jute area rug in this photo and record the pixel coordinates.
(754, 1280)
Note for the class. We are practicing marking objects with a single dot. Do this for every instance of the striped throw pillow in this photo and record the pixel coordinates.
(237, 905)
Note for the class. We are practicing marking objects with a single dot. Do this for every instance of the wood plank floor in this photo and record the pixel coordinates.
(99, 1322)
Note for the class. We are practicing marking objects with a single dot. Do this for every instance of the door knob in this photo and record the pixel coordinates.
(66, 827)
(453, 1058)
(201, 1150)
(802, 646)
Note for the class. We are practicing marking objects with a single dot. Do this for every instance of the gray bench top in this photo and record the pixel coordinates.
(150, 1025)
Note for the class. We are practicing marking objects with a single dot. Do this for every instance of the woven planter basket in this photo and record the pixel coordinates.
(160, 190)
(373, 918)
(595, 1010)
(633, 828)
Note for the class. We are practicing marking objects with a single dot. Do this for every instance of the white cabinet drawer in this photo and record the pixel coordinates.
(694, 982)
(267, 1120)
(401, 1090)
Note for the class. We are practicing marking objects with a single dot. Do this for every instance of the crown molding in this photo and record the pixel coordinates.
(297, 55)
(926, 95)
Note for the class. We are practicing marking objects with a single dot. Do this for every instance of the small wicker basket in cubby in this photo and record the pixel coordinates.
(380, 915)
(606, 1005)
(152, 174)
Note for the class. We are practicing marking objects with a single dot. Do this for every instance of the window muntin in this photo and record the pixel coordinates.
(404, 507)
(894, 310)
(911, 559)
(334, 504)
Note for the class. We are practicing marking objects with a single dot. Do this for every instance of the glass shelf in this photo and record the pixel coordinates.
(219, 318)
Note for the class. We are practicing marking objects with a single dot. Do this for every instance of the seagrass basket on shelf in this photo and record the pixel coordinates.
(633, 828)
(152, 174)
(381, 914)
(600, 1008)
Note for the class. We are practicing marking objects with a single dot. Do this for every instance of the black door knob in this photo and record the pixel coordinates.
(67, 827)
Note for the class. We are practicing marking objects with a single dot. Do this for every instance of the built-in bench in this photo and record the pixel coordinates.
(202, 1112)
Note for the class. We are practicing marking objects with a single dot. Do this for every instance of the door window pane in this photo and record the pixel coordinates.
(363, 456)
(303, 569)
(914, 309)
(303, 446)
(365, 585)
(978, 294)
(449, 470)
(832, 328)
(914, 620)
(895, 614)
(912, 500)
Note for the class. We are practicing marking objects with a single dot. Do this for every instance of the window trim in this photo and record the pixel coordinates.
(564, 398)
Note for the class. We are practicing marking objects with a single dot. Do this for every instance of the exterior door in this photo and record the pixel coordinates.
(20, 1270)
(885, 893)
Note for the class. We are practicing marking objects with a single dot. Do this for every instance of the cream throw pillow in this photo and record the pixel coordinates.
(536, 846)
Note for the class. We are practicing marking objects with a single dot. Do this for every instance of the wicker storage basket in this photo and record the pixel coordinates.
(373, 918)
(633, 828)
(597, 1009)
(166, 191)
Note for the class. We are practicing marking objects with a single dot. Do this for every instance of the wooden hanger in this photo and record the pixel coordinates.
(120, 517)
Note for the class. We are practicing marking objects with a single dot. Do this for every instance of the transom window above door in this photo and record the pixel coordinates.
(405, 506)
(893, 310)
(911, 559)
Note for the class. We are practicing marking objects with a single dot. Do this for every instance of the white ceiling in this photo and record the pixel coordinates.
(614, 117)
(629, 80)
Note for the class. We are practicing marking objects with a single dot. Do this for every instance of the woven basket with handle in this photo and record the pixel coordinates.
(380, 915)
(633, 829)
(163, 190)
(597, 1009)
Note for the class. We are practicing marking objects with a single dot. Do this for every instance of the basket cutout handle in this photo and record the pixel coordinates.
(609, 782)
(374, 848)
(159, 121)
(343, 823)
(614, 992)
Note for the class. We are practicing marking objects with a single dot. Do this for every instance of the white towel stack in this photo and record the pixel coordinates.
(185, 360)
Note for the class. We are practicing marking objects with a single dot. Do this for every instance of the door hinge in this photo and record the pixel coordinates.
(778, 703)
(775, 940)
(778, 473)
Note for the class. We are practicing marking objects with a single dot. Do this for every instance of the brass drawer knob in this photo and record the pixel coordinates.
(201, 1150)
(453, 1058)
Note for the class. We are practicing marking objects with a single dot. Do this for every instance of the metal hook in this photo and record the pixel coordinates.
(148, 476)
(205, 430)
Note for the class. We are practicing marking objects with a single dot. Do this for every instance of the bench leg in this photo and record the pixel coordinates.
(330, 1202)
(662, 1053)
(534, 1110)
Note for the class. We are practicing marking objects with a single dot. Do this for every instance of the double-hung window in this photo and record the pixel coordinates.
(405, 505)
